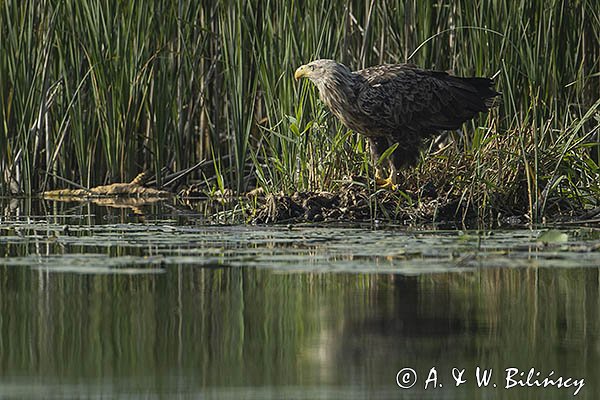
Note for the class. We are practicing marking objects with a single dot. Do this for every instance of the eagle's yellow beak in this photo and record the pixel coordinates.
(300, 72)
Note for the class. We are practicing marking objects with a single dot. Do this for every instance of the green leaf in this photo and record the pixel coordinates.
(387, 153)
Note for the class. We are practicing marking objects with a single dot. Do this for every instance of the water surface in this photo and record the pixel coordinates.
(154, 303)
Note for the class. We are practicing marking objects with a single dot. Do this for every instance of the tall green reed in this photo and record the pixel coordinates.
(95, 92)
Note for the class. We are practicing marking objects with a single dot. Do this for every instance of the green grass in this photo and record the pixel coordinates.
(96, 91)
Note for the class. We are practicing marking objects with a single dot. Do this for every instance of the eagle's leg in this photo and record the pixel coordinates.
(379, 173)
(378, 145)
(389, 182)
(393, 173)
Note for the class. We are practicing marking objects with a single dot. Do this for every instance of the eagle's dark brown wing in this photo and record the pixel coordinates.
(400, 100)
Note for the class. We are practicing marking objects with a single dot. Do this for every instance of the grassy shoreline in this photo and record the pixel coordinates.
(96, 92)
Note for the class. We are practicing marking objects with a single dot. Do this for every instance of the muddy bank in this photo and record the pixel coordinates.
(348, 204)
(361, 205)
(356, 201)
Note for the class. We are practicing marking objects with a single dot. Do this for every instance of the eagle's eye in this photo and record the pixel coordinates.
(312, 67)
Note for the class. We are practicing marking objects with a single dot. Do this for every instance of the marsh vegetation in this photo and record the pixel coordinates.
(96, 92)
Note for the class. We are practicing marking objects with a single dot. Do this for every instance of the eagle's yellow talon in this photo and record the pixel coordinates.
(386, 183)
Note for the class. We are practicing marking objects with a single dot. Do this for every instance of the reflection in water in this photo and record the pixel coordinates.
(206, 331)
(174, 309)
